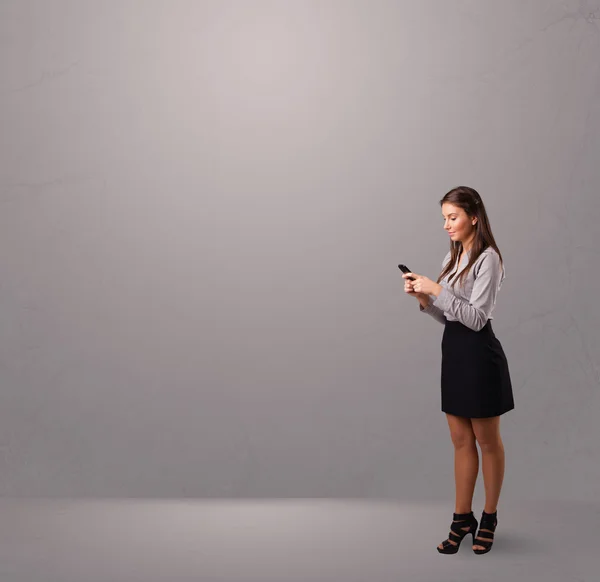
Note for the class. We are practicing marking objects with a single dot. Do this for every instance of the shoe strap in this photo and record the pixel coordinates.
(462, 516)
(457, 528)
(488, 520)
(485, 534)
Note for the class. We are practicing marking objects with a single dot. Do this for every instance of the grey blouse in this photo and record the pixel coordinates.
(471, 303)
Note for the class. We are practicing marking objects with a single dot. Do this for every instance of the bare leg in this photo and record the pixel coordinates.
(487, 431)
(466, 468)
(466, 463)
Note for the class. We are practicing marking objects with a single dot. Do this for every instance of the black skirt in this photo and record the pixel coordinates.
(475, 376)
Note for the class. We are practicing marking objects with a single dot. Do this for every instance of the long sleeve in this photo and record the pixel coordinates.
(431, 309)
(434, 311)
(474, 314)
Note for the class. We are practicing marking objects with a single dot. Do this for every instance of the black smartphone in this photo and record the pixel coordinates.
(405, 269)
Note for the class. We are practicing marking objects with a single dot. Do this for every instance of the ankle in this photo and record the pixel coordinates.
(460, 510)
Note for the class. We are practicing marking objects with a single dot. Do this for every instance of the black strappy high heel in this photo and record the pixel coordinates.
(457, 533)
(488, 521)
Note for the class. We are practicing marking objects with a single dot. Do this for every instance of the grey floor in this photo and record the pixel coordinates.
(286, 540)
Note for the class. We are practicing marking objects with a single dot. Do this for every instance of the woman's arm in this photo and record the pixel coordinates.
(426, 301)
(474, 313)
(426, 306)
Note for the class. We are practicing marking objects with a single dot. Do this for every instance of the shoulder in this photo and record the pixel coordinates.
(489, 259)
(490, 254)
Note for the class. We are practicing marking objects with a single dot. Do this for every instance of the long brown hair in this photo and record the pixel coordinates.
(470, 201)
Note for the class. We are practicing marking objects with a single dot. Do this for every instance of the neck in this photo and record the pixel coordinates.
(468, 244)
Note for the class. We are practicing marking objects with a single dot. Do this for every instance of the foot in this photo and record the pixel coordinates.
(450, 541)
(491, 519)
(476, 547)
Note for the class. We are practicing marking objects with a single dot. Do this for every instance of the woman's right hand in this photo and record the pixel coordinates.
(408, 286)
(408, 289)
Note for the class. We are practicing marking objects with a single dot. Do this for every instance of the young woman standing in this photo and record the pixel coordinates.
(475, 381)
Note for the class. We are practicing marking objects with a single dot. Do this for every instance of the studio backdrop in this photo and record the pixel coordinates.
(202, 210)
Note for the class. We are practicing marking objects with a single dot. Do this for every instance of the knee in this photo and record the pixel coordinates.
(463, 439)
(490, 445)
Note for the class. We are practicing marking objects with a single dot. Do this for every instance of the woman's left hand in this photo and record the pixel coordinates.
(425, 285)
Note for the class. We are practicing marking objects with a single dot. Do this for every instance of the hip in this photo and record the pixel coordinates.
(458, 336)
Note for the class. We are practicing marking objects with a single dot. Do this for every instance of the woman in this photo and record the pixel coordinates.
(475, 381)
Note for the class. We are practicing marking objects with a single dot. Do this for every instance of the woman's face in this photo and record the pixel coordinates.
(457, 223)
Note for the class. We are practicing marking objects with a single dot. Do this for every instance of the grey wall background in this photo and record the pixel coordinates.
(202, 209)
